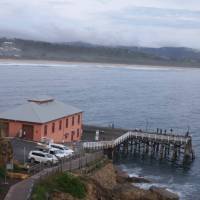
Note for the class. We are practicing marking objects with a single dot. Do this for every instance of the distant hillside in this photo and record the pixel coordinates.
(84, 52)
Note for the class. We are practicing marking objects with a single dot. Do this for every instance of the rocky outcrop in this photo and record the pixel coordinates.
(108, 183)
(106, 176)
(119, 186)
(123, 177)
(164, 194)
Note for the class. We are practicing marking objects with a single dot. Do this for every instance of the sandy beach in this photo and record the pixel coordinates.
(63, 63)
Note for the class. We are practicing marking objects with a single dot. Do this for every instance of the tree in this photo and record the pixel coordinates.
(6, 151)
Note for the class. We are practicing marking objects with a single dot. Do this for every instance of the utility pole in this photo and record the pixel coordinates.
(24, 155)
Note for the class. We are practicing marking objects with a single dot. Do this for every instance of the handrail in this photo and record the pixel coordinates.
(134, 134)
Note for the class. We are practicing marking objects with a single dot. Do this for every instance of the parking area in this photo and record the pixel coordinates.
(21, 149)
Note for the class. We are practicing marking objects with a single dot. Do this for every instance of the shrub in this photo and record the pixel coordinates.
(71, 184)
(39, 192)
(63, 182)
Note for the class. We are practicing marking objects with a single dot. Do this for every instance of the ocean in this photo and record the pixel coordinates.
(128, 96)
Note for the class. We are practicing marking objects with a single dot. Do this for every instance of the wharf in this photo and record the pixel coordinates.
(120, 141)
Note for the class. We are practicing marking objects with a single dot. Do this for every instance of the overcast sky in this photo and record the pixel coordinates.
(109, 22)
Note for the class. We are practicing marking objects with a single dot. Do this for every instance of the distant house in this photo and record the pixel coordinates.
(43, 117)
(8, 49)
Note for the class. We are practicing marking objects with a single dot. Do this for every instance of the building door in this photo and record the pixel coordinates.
(4, 129)
(27, 132)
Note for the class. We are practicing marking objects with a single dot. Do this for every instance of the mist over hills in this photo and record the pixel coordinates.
(85, 52)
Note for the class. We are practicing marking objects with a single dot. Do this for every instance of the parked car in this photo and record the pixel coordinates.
(67, 151)
(53, 151)
(42, 157)
(45, 141)
(56, 152)
(43, 148)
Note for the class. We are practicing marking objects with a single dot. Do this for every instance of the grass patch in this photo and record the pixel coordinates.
(63, 182)
(70, 184)
(39, 192)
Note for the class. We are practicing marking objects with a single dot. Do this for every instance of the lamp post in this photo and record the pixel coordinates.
(188, 131)
(147, 124)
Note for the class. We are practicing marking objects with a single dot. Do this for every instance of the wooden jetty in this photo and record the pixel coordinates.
(153, 144)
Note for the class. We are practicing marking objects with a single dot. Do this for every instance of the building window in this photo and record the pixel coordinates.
(53, 127)
(60, 124)
(78, 133)
(45, 130)
(73, 121)
(66, 123)
(79, 119)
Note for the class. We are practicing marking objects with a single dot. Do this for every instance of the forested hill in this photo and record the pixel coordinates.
(84, 52)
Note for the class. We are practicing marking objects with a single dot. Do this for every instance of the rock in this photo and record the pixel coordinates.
(163, 194)
(137, 180)
(62, 196)
(128, 192)
(106, 176)
(109, 184)
(123, 177)
(96, 191)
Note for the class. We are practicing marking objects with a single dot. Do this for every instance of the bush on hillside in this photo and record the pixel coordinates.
(63, 182)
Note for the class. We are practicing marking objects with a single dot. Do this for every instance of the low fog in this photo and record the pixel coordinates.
(150, 23)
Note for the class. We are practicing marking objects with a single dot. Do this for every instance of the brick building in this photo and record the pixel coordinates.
(43, 117)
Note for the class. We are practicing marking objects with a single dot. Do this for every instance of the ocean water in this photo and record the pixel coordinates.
(129, 96)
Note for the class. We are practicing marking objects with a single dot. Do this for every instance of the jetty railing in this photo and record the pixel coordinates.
(150, 141)
(137, 135)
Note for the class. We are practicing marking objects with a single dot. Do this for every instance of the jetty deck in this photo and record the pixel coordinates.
(123, 141)
(105, 133)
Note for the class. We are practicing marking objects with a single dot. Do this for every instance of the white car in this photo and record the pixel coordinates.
(42, 157)
(66, 150)
(53, 151)
(56, 152)
(45, 141)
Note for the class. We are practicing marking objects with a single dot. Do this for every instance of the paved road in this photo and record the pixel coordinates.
(20, 145)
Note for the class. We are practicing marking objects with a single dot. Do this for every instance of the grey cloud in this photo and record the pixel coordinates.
(61, 21)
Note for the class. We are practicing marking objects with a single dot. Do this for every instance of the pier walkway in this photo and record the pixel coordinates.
(145, 142)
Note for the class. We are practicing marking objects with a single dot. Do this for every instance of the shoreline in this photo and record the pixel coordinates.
(63, 63)
(114, 183)
(124, 178)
